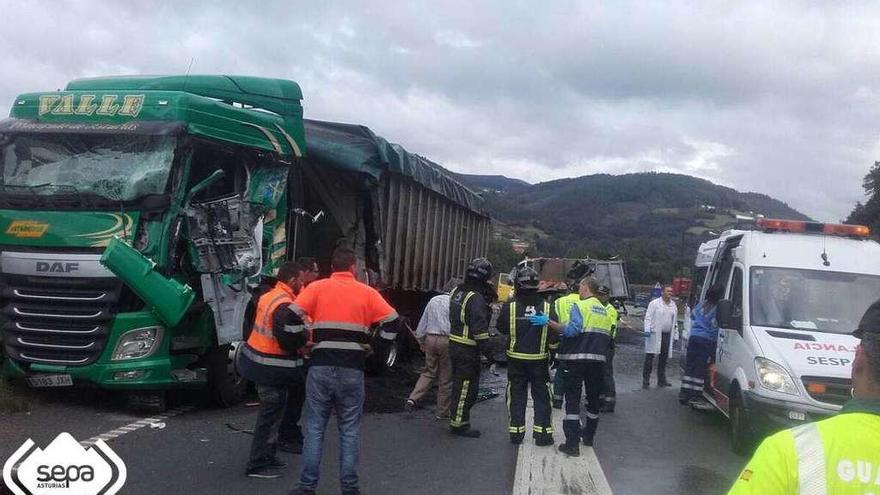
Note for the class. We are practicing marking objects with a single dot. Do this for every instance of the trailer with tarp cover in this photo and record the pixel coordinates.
(141, 215)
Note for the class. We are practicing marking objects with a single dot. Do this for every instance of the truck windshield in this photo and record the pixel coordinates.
(115, 167)
(810, 299)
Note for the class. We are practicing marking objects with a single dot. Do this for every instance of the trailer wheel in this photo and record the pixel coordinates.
(742, 437)
(226, 386)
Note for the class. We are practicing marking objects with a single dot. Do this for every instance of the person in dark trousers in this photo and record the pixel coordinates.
(271, 359)
(341, 310)
(527, 353)
(701, 349)
(608, 397)
(469, 315)
(661, 330)
(559, 312)
(584, 349)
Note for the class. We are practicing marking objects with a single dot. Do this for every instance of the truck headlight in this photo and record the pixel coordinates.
(137, 343)
(774, 377)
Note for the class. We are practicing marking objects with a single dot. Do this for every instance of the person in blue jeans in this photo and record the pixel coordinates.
(341, 311)
(700, 348)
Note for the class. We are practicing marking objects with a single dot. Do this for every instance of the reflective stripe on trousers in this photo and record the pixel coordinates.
(581, 357)
(811, 460)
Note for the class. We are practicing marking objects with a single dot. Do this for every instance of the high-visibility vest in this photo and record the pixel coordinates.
(612, 317)
(836, 456)
(261, 339)
(594, 341)
(526, 341)
(342, 310)
(562, 307)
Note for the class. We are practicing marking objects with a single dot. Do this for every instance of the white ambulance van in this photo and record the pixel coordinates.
(794, 291)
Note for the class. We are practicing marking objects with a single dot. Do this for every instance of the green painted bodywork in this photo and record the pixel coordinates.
(203, 103)
(157, 367)
(65, 228)
(208, 107)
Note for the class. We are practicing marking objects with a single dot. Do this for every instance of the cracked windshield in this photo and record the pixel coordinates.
(119, 168)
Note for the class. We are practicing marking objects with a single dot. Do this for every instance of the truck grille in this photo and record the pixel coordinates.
(57, 320)
(835, 391)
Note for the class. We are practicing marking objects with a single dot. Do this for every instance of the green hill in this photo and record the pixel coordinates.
(655, 221)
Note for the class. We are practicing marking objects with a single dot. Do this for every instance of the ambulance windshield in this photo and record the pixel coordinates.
(810, 299)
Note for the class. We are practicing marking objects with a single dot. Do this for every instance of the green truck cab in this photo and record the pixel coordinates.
(141, 216)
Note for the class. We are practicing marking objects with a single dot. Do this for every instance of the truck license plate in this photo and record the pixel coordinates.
(39, 381)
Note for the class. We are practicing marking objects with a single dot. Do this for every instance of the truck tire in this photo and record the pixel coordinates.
(226, 386)
(742, 436)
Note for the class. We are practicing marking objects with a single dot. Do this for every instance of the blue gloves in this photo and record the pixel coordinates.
(570, 331)
(539, 320)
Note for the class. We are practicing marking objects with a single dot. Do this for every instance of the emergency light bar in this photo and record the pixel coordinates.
(799, 226)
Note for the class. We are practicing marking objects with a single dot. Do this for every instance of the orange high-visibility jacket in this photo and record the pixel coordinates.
(262, 346)
(341, 310)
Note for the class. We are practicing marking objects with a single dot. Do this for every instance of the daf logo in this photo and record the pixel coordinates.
(57, 267)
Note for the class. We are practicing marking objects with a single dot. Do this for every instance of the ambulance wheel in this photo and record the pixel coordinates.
(742, 437)
(226, 386)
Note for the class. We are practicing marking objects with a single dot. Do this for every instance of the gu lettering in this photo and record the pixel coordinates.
(859, 471)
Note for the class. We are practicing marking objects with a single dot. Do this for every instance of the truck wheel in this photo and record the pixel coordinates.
(742, 437)
(226, 386)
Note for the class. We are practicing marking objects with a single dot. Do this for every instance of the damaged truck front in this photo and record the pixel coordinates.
(140, 215)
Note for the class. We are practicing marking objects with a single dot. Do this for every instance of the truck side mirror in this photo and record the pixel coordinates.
(729, 316)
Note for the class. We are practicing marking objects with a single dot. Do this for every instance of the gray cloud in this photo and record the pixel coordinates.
(773, 97)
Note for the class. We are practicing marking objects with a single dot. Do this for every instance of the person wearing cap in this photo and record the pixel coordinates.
(608, 395)
(584, 349)
(527, 353)
(839, 455)
(469, 315)
(560, 311)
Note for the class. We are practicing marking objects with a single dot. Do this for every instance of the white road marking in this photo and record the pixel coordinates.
(547, 471)
(137, 425)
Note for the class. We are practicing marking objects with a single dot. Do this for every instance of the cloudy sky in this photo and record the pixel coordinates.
(781, 98)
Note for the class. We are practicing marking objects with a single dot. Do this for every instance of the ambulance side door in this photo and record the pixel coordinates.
(731, 351)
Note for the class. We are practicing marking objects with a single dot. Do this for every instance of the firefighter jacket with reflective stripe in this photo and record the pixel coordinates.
(468, 317)
(593, 338)
(613, 317)
(527, 342)
(342, 310)
(836, 456)
(560, 311)
(277, 333)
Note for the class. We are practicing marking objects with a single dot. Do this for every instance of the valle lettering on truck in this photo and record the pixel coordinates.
(140, 216)
(793, 292)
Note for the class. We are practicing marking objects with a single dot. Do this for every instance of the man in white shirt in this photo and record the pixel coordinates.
(661, 329)
(433, 336)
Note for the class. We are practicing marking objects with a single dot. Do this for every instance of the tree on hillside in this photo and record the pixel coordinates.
(501, 255)
(868, 213)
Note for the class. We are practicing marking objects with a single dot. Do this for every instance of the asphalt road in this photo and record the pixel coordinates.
(650, 445)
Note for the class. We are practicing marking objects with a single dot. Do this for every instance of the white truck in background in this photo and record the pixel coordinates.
(794, 291)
